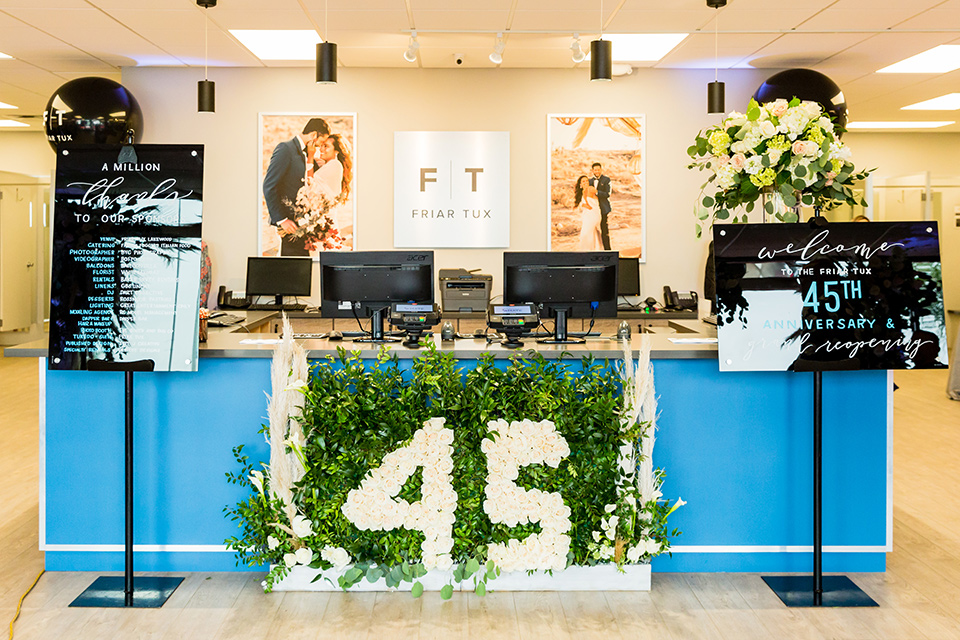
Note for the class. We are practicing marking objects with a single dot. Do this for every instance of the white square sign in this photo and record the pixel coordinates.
(451, 189)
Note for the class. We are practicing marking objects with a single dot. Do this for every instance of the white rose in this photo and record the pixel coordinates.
(634, 553)
(652, 547)
(768, 129)
(272, 543)
(302, 527)
(290, 560)
(303, 555)
(337, 556)
(444, 562)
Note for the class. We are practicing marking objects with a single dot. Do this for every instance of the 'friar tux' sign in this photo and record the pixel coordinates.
(126, 256)
(837, 296)
(451, 189)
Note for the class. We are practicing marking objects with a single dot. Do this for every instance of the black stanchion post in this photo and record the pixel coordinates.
(817, 488)
(128, 494)
(114, 591)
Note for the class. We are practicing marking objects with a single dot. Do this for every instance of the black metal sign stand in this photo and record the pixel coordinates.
(818, 590)
(117, 591)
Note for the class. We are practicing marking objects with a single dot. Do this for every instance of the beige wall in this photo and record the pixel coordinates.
(388, 100)
(26, 152)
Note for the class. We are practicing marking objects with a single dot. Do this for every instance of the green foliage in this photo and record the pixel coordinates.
(355, 412)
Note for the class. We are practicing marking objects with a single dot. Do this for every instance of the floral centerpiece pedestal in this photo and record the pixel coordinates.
(601, 577)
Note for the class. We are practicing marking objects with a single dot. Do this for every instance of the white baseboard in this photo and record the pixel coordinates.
(599, 578)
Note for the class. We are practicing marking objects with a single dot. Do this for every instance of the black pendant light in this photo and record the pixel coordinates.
(601, 60)
(715, 89)
(206, 89)
(601, 55)
(326, 56)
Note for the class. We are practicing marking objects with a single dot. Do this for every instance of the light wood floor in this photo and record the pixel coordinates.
(919, 594)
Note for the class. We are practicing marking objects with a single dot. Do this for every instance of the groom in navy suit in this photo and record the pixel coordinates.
(602, 184)
(286, 173)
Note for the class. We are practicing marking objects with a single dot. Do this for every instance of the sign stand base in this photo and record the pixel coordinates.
(108, 592)
(838, 591)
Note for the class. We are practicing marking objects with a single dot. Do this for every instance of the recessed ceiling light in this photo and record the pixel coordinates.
(949, 102)
(642, 47)
(12, 123)
(4, 56)
(4, 105)
(931, 124)
(940, 59)
(279, 44)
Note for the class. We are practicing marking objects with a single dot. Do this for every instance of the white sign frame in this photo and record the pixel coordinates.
(468, 173)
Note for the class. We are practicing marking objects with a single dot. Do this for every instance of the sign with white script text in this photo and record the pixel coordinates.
(126, 256)
(829, 297)
(451, 189)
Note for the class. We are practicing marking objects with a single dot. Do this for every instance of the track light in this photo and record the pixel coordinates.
(497, 56)
(578, 53)
(410, 55)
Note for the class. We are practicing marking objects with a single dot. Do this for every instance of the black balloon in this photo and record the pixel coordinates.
(92, 111)
(805, 84)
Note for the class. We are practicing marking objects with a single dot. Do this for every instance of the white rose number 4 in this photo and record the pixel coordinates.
(374, 505)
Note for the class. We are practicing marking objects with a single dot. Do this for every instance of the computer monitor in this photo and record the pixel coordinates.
(365, 283)
(563, 284)
(628, 277)
(278, 277)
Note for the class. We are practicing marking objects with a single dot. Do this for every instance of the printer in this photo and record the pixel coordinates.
(462, 290)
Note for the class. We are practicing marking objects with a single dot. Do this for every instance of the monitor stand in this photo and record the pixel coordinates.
(560, 331)
(376, 330)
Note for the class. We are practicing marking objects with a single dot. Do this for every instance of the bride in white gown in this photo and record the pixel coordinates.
(586, 203)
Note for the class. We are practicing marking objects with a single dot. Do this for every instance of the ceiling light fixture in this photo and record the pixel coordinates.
(206, 89)
(12, 123)
(4, 105)
(578, 54)
(4, 56)
(926, 124)
(716, 89)
(410, 55)
(949, 102)
(497, 56)
(601, 55)
(279, 44)
(326, 55)
(942, 59)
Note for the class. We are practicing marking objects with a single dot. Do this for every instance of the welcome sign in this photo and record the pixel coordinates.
(834, 296)
(126, 256)
(451, 189)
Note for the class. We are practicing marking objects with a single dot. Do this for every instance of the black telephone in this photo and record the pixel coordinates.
(226, 300)
(680, 300)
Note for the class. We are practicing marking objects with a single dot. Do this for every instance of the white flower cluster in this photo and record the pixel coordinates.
(374, 507)
(337, 556)
(303, 555)
(515, 445)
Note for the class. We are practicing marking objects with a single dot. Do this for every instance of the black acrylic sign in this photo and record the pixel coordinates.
(849, 295)
(126, 256)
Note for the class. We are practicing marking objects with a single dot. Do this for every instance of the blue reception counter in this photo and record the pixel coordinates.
(737, 447)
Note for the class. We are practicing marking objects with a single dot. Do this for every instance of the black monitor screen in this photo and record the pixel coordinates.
(628, 277)
(573, 281)
(363, 282)
(279, 276)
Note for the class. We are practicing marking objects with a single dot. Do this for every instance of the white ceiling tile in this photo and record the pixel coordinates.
(385, 21)
(578, 20)
(466, 20)
(836, 19)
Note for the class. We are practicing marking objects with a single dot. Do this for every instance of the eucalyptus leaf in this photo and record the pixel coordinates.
(446, 592)
(481, 589)
(417, 590)
(374, 574)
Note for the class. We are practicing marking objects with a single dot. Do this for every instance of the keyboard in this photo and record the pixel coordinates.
(286, 306)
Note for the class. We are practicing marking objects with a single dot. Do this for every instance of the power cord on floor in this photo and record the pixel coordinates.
(22, 598)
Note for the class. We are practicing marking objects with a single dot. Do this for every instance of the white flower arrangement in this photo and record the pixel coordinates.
(374, 506)
(788, 149)
(516, 445)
